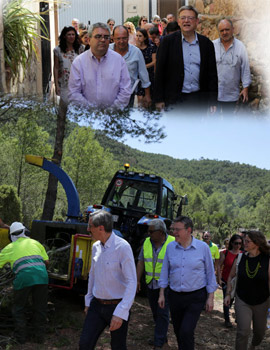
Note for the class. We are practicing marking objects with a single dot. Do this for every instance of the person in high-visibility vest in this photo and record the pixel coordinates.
(28, 260)
(150, 260)
(213, 248)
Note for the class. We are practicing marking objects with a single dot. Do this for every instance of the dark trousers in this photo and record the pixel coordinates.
(97, 319)
(161, 316)
(131, 100)
(39, 294)
(227, 108)
(194, 103)
(226, 309)
(185, 312)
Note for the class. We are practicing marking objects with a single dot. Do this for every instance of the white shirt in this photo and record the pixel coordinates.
(113, 274)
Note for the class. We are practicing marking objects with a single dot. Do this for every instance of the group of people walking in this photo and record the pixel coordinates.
(180, 279)
(179, 273)
(166, 66)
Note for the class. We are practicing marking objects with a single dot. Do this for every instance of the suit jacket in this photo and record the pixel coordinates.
(169, 74)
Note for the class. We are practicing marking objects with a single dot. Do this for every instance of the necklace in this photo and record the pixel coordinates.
(252, 274)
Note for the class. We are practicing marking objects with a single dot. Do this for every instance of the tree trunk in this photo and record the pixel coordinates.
(51, 194)
(3, 87)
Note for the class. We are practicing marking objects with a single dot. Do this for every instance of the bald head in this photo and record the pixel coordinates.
(225, 30)
(147, 26)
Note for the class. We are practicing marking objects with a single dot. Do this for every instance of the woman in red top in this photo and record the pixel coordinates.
(227, 258)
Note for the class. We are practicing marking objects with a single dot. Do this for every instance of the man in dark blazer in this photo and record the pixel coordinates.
(186, 66)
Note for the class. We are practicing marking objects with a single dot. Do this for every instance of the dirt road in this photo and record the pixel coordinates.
(66, 319)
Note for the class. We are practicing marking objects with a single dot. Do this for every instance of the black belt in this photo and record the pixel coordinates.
(187, 293)
(108, 301)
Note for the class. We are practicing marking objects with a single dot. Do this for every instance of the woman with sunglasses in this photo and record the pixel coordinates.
(142, 21)
(226, 260)
(252, 290)
(111, 24)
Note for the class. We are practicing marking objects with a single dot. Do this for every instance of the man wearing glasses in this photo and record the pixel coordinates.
(232, 67)
(150, 260)
(186, 72)
(99, 77)
(188, 271)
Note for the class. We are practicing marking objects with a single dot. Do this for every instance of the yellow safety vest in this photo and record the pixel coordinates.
(153, 270)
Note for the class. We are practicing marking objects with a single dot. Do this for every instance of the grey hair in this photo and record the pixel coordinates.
(155, 17)
(158, 225)
(104, 218)
(98, 25)
(225, 18)
(188, 8)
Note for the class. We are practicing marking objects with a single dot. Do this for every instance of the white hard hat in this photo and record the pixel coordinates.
(17, 230)
(16, 227)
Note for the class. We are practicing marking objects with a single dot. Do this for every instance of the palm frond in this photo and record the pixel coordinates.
(22, 30)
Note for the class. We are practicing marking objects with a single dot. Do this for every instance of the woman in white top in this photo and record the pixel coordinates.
(64, 54)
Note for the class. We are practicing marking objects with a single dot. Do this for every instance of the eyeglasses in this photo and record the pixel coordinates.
(128, 28)
(237, 243)
(190, 18)
(99, 37)
(144, 20)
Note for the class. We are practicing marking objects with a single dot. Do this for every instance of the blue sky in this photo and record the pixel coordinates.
(239, 139)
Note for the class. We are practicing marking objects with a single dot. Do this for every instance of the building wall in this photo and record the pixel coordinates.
(91, 10)
(136, 8)
(251, 21)
(102, 10)
(169, 6)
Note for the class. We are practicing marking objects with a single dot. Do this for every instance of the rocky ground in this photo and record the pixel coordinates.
(66, 319)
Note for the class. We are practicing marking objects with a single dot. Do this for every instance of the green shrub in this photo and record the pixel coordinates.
(134, 20)
(10, 204)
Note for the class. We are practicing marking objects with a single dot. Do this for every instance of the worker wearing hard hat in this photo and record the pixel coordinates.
(28, 260)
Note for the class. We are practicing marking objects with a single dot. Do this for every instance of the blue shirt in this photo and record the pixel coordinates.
(136, 66)
(188, 269)
(232, 68)
(192, 61)
(113, 274)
